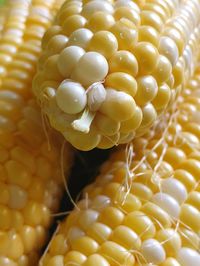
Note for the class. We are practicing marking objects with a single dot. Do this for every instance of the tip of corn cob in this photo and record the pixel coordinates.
(109, 69)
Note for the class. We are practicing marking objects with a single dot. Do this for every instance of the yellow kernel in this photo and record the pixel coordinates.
(170, 240)
(122, 82)
(58, 245)
(51, 70)
(17, 198)
(106, 125)
(129, 13)
(159, 10)
(116, 254)
(141, 224)
(100, 21)
(118, 105)
(4, 195)
(56, 261)
(16, 247)
(174, 156)
(17, 220)
(178, 73)
(148, 34)
(149, 115)
(186, 178)
(147, 57)
(28, 236)
(111, 216)
(56, 44)
(163, 69)
(123, 61)
(73, 23)
(128, 203)
(74, 257)
(91, 7)
(159, 216)
(168, 48)
(125, 32)
(126, 237)
(163, 97)
(99, 232)
(190, 216)
(7, 262)
(141, 191)
(5, 218)
(104, 42)
(146, 90)
(85, 245)
(133, 123)
(192, 166)
(170, 262)
(194, 199)
(189, 238)
(4, 243)
(97, 260)
(152, 19)
(18, 174)
(67, 12)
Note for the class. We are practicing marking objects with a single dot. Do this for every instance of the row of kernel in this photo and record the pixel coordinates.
(14, 25)
(156, 221)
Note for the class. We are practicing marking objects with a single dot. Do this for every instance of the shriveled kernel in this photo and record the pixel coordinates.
(147, 89)
(123, 61)
(104, 42)
(147, 57)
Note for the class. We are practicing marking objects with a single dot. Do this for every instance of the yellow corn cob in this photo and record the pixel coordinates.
(144, 208)
(110, 68)
(31, 179)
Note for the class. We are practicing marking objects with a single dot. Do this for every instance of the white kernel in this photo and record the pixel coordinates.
(92, 67)
(153, 251)
(80, 37)
(71, 97)
(188, 257)
(68, 59)
(174, 188)
(167, 203)
(97, 5)
(168, 48)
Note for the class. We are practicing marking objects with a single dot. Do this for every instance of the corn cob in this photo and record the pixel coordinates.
(110, 68)
(144, 208)
(31, 179)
